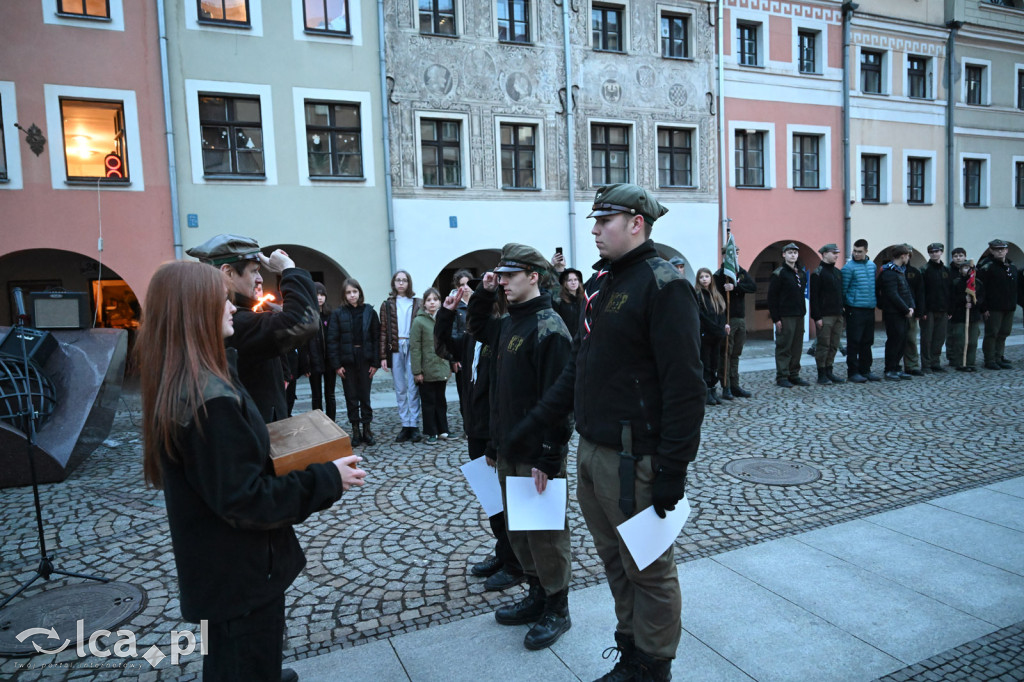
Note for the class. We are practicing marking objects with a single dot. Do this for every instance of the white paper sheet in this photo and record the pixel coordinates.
(530, 510)
(647, 535)
(483, 480)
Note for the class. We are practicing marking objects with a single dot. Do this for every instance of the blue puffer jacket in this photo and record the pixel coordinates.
(859, 284)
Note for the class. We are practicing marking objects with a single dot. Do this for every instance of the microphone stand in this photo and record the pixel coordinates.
(46, 566)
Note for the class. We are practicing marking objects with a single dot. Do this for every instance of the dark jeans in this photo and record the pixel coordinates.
(435, 409)
(896, 327)
(502, 546)
(322, 384)
(710, 354)
(248, 647)
(860, 334)
(356, 385)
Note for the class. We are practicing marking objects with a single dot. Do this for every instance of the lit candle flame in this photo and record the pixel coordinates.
(263, 299)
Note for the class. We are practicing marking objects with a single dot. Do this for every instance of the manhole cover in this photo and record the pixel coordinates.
(772, 471)
(100, 606)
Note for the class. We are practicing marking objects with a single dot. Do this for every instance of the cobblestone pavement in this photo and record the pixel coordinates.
(998, 656)
(392, 557)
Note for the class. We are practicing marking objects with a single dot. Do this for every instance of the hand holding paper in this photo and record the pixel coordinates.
(528, 509)
(647, 536)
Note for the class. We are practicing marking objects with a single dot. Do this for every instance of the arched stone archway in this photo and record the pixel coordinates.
(759, 323)
(1013, 254)
(917, 259)
(477, 262)
(323, 269)
(668, 253)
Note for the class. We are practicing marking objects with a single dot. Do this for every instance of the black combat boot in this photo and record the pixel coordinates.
(553, 623)
(832, 376)
(356, 437)
(625, 669)
(651, 668)
(797, 381)
(368, 434)
(414, 434)
(726, 393)
(738, 392)
(822, 379)
(525, 611)
(712, 399)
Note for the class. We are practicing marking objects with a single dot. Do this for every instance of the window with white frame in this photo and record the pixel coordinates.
(607, 28)
(514, 21)
(334, 145)
(10, 149)
(1020, 87)
(806, 161)
(974, 82)
(675, 157)
(437, 17)
(748, 43)
(1018, 184)
(326, 16)
(871, 178)
(808, 49)
(675, 35)
(95, 140)
(441, 152)
(95, 14)
(917, 177)
(974, 180)
(518, 155)
(872, 72)
(609, 153)
(919, 77)
(93, 9)
(232, 135)
(228, 12)
(750, 158)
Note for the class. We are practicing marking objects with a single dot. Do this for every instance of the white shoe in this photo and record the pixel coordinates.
(444, 436)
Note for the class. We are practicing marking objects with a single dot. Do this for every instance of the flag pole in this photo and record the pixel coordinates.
(967, 328)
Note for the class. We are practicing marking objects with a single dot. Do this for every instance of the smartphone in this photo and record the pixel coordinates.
(453, 292)
(558, 250)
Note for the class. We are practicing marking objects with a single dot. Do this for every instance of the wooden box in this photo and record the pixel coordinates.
(297, 442)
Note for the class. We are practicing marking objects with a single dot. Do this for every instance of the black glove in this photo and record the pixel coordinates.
(668, 488)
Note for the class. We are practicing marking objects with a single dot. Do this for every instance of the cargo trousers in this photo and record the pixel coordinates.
(648, 603)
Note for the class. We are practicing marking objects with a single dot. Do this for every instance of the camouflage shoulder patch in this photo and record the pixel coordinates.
(777, 271)
(664, 272)
(549, 322)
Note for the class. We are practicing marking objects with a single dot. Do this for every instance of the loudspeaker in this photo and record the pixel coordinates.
(59, 309)
(38, 345)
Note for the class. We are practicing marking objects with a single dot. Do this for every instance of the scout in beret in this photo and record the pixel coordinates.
(936, 246)
(630, 199)
(937, 281)
(1002, 286)
(828, 248)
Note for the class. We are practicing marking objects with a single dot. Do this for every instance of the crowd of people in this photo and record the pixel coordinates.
(629, 358)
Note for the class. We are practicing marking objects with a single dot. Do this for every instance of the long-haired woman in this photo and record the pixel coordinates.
(569, 303)
(352, 348)
(314, 362)
(714, 327)
(206, 445)
(430, 370)
(396, 315)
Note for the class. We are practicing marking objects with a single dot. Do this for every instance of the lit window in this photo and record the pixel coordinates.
(94, 140)
(606, 26)
(334, 140)
(609, 154)
(674, 36)
(442, 153)
(232, 135)
(437, 17)
(750, 158)
(224, 11)
(518, 156)
(99, 9)
(326, 16)
(675, 157)
(514, 21)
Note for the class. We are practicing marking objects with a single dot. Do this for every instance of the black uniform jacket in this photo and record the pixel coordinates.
(230, 517)
(894, 295)
(826, 291)
(1002, 281)
(938, 282)
(916, 283)
(351, 327)
(640, 362)
(734, 299)
(261, 338)
(786, 293)
(958, 301)
(313, 353)
(531, 348)
(475, 393)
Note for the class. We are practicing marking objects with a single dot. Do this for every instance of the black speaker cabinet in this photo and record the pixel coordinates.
(39, 345)
(59, 309)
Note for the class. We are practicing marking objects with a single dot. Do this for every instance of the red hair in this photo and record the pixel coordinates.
(180, 345)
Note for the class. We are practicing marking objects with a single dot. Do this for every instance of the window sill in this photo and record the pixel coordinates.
(327, 34)
(444, 187)
(810, 189)
(975, 104)
(975, 207)
(810, 73)
(677, 59)
(752, 187)
(83, 17)
(236, 176)
(750, 66)
(102, 182)
(438, 35)
(999, 8)
(875, 203)
(679, 187)
(526, 43)
(224, 24)
(520, 189)
(336, 178)
(920, 203)
(4, 180)
(598, 49)
(873, 94)
(921, 99)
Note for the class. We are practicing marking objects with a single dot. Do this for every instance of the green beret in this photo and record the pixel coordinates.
(628, 198)
(226, 248)
(520, 257)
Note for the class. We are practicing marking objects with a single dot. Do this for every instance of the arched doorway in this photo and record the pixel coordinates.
(759, 322)
(477, 262)
(322, 268)
(917, 259)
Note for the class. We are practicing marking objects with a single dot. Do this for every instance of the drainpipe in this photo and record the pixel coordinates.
(385, 122)
(570, 132)
(848, 9)
(951, 174)
(172, 169)
(722, 166)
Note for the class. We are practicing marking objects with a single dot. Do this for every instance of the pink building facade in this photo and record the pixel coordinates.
(783, 134)
(91, 211)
